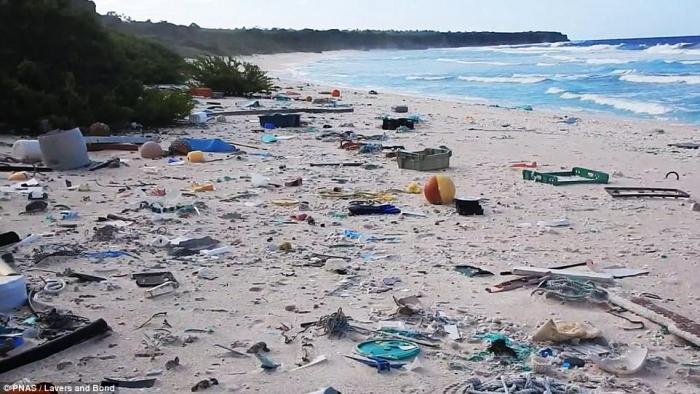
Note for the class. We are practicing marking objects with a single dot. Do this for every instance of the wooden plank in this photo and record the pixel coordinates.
(676, 324)
(285, 111)
(122, 139)
(571, 274)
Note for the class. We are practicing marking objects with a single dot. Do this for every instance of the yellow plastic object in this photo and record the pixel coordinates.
(204, 187)
(285, 203)
(196, 156)
(413, 188)
(18, 176)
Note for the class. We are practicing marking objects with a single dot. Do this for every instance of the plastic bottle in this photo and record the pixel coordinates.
(29, 240)
(151, 170)
(68, 215)
(258, 180)
(161, 241)
(217, 251)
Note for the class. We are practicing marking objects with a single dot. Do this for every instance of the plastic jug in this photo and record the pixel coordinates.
(64, 149)
(26, 151)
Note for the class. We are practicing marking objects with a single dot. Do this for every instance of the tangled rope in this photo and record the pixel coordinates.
(334, 324)
(571, 290)
(62, 251)
(513, 385)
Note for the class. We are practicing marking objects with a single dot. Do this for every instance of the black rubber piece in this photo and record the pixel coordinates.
(50, 348)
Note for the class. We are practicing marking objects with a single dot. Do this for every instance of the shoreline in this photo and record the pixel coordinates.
(271, 282)
(277, 64)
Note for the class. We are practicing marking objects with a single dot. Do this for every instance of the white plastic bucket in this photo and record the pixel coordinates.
(13, 292)
(26, 151)
(64, 149)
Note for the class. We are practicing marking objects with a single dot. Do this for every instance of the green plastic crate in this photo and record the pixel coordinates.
(426, 160)
(559, 178)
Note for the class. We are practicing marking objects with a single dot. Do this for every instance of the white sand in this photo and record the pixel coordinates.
(660, 236)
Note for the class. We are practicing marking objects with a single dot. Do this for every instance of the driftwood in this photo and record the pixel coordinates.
(676, 324)
(285, 111)
(571, 274)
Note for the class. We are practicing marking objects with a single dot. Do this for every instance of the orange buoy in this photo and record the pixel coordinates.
(335, 93)
(201, 92)
(195, 156)
(439, 190)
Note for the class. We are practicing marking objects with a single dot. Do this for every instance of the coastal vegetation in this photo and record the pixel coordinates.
(64, 63)
(230, 76)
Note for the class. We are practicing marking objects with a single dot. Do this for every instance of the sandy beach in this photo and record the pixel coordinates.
(258, 292)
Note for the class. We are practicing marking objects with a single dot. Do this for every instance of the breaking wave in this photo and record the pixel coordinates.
(512, 79)
(689, 79)
(427, 78)
(555, 90)
(619, 103)
(607, 61)
(481, 62)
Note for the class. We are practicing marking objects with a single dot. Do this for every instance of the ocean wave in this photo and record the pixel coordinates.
(427, 78)
(679, 49)
(477, 62)
(555, 90)
(597, 61)
(563, 58)
(687, 79)
(513, 79)
(539, 49)
(621, 72)
(546, 64)
(639, 107)
(690, 62)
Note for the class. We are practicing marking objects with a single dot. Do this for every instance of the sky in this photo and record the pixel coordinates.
(580, 19)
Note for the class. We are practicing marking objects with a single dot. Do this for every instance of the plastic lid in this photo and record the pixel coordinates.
(388, 349)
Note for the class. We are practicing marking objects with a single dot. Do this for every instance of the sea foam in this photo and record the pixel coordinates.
(689, 79)
(639, 107)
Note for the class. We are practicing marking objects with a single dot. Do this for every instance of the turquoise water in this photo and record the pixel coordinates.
(650, 78)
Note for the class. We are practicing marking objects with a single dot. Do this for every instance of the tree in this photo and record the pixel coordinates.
(229, 75)
(59, 63)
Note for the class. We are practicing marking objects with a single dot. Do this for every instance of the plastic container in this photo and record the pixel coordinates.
(69, 215)
(539, 364)
(13, 292)
(393, 124)
(198, 117)
(425, 160)
(64, 149)
(196, 156)
(26, 151)
(468, 206)
(202, 92)
(281, 120)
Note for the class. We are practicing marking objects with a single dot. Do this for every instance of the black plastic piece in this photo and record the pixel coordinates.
(393, 124)
(47, 349)
(151, 279)
(641, 192)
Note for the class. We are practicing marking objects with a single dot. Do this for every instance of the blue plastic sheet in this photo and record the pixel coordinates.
(214, 145)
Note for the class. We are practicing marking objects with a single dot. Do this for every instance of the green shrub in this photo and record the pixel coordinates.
(160, 107)
(59, 63)
(229, 75)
